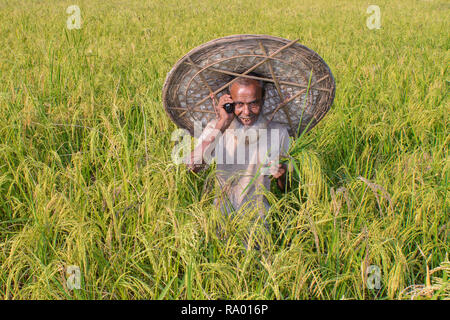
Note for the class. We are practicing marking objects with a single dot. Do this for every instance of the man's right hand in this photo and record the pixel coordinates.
(225, 118)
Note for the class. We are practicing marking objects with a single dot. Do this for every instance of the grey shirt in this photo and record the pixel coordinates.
(243, 157)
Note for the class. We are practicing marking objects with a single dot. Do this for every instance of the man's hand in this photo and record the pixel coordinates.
(278, 172)
(225, 118)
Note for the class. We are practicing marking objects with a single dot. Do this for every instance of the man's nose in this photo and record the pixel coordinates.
(246, 109)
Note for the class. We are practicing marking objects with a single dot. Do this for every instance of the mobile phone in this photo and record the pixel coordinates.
(229, 107)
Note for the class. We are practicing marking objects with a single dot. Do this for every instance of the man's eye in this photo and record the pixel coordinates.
(251, 105)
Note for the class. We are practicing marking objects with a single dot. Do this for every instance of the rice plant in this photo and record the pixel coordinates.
(87, 180)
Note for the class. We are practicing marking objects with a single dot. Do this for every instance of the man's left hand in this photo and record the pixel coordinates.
(277, 171)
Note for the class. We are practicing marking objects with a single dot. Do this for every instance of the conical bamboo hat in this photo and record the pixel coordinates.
(299, 86)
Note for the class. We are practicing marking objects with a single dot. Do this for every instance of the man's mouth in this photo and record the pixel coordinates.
(246, 120)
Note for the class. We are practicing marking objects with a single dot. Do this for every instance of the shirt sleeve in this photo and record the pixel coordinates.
(284, 146)
(211, 134)
(284, 142)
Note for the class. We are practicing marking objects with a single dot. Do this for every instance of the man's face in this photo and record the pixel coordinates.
(248, 102)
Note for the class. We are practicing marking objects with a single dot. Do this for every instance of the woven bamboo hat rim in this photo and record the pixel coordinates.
(197, 67)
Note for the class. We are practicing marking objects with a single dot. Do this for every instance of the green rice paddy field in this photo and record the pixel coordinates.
(87, 180)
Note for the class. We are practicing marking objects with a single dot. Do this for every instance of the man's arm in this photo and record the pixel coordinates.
(223, 122)
(280, 170)
(196, 159)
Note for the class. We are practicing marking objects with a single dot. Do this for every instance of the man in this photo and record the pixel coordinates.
(246, 149)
